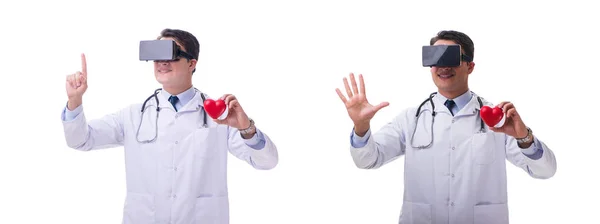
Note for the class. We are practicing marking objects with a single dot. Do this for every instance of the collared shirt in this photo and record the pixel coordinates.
(460, 101)
(184, 97)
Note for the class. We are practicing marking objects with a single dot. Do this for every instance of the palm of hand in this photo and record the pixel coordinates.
(514, 126)
(510, 128)
(236, 116)
(359, 108)
(232, 118)
(74, 90)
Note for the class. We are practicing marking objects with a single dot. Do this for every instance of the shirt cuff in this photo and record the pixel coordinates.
(357, 141)
(257, 141)
(68, 115)
(535, 151)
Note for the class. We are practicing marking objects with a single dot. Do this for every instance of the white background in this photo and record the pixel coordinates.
(541, 56)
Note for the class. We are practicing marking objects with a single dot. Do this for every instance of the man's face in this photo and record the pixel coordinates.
(452, 80)
(174, 73)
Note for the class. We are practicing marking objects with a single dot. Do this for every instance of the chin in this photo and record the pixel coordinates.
(162, 79)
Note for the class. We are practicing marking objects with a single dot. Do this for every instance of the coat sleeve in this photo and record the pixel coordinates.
(537, 160)
(80, 134)
(382, 147)
(259, 151)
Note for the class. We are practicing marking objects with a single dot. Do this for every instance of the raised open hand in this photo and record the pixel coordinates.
(359, 108)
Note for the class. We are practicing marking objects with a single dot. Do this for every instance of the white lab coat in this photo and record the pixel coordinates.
(461, 179)
(181, 178)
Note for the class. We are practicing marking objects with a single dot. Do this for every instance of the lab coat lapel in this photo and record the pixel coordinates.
(473, 107)
(439, 101)
(194, 104)
(164, 102)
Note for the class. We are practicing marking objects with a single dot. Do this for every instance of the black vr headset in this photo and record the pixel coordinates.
(161, 50)
(443, 56)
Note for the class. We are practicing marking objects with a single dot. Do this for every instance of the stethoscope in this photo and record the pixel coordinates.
(433, 113)
(155, 95)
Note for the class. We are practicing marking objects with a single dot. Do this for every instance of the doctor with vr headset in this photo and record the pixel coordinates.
(454, 163)
(176, 157)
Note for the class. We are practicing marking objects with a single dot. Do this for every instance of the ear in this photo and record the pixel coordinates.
(470, 67)
(192, 66)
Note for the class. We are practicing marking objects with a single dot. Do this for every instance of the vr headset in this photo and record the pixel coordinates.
(161, 50)
(443, 56)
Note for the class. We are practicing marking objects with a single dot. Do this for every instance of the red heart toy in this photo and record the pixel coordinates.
(491, 116)
(214, 108)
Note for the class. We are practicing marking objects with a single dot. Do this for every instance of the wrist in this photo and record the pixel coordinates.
(73, 103)
(522, 136)
(250, 130)
(524, 145)
(361, 129)
(527, 140)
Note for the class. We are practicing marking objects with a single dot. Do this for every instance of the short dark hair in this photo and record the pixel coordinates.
(187, 40)
(460, 38)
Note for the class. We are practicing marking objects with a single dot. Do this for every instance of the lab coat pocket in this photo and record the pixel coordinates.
(211, 210)
(139, 208)
(490, 214)
(415, 212)
(483, 147)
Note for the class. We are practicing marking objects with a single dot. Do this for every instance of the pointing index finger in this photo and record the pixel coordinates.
(83, 65)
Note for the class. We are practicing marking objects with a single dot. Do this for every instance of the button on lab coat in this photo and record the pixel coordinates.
(461, 179)
(181, 178)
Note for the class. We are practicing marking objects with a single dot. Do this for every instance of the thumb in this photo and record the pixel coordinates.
(494, 129)
(224, 121)
(83, 80)
(380, 106)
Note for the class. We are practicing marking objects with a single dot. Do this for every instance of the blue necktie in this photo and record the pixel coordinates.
(173, 100)
(450, 105)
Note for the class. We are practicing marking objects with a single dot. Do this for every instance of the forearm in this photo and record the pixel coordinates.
(537, 159)
(365, 155)
(83, 135)
(258, 150)
(374, 150)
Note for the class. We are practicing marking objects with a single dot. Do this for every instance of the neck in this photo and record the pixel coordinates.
(452, 94)
(176, 90)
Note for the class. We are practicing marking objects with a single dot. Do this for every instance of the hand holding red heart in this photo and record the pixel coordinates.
(513, 125)
(236, 117)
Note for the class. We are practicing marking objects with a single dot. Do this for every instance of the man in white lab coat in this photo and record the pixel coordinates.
(176, 158)
(455, 168)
